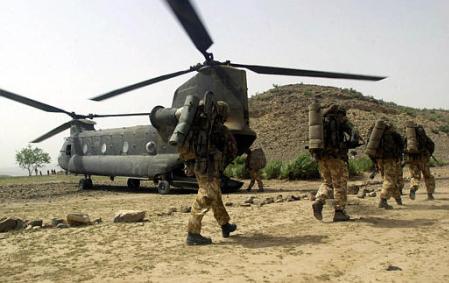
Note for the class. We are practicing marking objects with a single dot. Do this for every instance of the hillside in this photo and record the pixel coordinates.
(280, 117)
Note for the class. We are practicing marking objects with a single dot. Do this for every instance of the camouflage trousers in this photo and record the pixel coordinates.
(418, 166)
(335, 176)
(208, 197)
(393, 181)
(255, 177)
(400, 178)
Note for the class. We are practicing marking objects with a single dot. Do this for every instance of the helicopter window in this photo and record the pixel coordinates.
(151, 148)
(125, 148)
(103, 148)
(85, 148)
(68, 150)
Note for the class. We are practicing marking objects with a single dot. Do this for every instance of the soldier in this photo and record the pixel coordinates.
(253, 163)
(207, 147)
(419, 148)
(385, 148)
(339, 136)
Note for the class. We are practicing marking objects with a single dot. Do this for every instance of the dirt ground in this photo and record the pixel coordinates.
(278, 242)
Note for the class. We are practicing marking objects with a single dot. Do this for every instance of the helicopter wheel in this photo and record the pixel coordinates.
(133, 183)
(163, 187)
(85, 184)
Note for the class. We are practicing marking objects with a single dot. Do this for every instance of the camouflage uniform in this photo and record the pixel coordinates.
(419, 163)
(333, 162)
(388, 161)
(208, 172)
(253, 173)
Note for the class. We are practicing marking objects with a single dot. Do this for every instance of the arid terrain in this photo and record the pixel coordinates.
(277, 242)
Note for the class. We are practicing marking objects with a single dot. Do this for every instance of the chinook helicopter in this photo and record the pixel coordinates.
(143, 152)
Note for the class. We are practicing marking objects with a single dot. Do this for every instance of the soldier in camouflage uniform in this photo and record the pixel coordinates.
(339, 136)
(254, 173)
(387, 160)
(419, 163)
(207, 169)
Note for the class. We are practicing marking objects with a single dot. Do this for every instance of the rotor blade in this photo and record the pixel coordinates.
(53, 132)
(91, 116)
(305, 73)
(141, 84)
(192, 24)
(31, 102)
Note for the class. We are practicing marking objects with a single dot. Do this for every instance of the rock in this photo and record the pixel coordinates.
(392, 268)
(250, 200)
(228, 203)
(279, 198)
(62, 225)
(36, 228)
(292, 198)
(171, 210)
(35, 222)
(369, 190)
(129, 216)
(185, 209)
(11, 223)
(47, 225)
(305, 196)
(56, 221)
(97, 221)
(353, 189)
(372, 194)
(29, 227)
(312, 196)
(245, 204)
(361, 193)
(78, 219)
(268, 200)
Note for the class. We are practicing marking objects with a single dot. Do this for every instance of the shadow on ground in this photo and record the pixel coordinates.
(396, 223)
(258, 240)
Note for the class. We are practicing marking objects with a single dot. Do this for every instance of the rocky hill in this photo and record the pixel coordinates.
(280, 117)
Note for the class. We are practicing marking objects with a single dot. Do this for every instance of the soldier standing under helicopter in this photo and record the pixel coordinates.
(339, 135)
(418, 150)
(385, 147)
(209, 143)
(255, 160)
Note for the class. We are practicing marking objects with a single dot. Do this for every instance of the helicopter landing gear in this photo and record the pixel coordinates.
(86, 183)
(133, 183)
(163, 187)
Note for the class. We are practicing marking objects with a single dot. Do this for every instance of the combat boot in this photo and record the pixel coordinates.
(227, 229)
(430, 196)
(398, 200)
(413, 193)
(340, 215)
(197, 239)
(261, 190)
(384, 204)
(317, 207)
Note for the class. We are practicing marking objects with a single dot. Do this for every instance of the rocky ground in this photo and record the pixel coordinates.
(276, 242)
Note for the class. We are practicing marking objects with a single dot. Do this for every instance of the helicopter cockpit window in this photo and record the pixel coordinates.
(68, 150)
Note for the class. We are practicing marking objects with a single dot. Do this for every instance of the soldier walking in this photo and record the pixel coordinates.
(255, 160)
(208, 145)
(418, 150)
(385, 148)
(330, 137)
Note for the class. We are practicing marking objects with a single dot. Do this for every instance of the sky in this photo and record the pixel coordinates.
(64, 52)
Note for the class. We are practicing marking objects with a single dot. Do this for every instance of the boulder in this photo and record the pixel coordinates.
(56, 221)
(361, 193)
(372, 194)
(11, 223)
(250, 200)
(62, 225)
(129, 216)
(353, 189)
(279, 198)
(78, 219)
(268, 200)
(97, 221)
(245, 204)
(185, 209)
(229, 203)
(292, 198)
(35, 223)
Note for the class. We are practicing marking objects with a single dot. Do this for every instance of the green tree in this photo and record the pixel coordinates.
(32, 158)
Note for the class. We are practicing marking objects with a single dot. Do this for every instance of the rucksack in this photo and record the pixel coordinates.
(425, 144)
